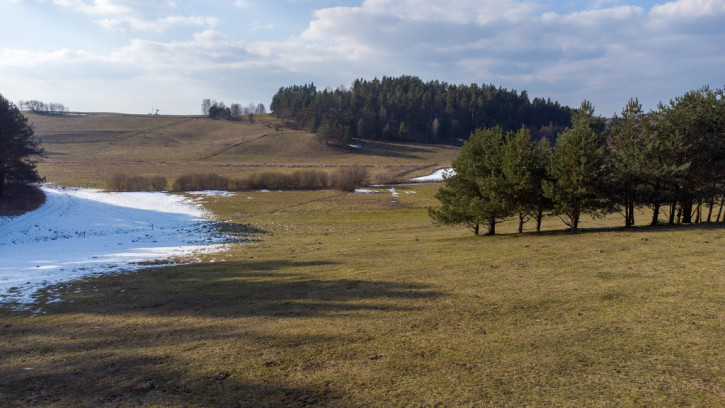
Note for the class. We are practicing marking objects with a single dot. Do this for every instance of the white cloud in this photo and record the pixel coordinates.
(242, 3)
(137, 15)
(26, 58)
(607, 54)
(688, 9)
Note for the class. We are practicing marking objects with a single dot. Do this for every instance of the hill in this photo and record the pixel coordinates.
(89, 149)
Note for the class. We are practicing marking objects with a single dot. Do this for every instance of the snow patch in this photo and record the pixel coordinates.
(212, 193)
(438, 175)
(81, 232)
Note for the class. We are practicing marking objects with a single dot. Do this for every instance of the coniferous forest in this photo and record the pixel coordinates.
(671, 160)
(406, 109)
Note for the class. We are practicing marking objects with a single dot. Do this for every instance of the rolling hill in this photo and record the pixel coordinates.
(89, 149)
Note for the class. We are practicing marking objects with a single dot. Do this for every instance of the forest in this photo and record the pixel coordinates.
(406, 109)
(671, 160)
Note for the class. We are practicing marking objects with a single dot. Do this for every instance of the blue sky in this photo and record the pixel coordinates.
(135, 55)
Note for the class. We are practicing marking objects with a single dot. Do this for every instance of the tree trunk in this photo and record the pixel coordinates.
(574, 220)
(698, 212)
(655, 214)
(719, 212)
(709, 212)
(686, 211)
(539, 216)
(475, 229)
(491, 227)
(629, 211)
(521, 222)
(673, 209)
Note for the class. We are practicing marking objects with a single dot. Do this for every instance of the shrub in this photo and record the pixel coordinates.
(299, 180)
(159, 183)
(311, 179)
(122, 182)
(197, 182)
(349, 178)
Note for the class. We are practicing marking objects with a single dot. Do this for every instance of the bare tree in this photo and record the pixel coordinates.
(205, 105)
(260, 109)
(236, 109)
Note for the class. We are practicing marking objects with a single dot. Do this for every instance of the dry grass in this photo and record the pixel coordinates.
(91, 150)
(356, 300)
(353, 300)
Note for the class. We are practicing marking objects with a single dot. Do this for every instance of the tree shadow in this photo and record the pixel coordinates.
(398, 151)
(144, 380)
(632, 229)
(129, 339)
(244, 289)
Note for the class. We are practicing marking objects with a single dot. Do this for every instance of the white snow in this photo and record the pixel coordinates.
(365, 191)
(80, 232)
(438, 175)
(212, 193)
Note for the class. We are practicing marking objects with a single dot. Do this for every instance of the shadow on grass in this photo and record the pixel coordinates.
(187, 335)
(144, 380)
(243, 289)
(391, 150)
(637, 228)
(641, 228)
(181, 335)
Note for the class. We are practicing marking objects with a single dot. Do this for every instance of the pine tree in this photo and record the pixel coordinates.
(578, 169)
(16, 149)
(522, 184)
(475, 194)
(627, 154)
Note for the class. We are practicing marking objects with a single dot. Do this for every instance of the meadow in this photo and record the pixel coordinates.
(356, 300)
(90, 150)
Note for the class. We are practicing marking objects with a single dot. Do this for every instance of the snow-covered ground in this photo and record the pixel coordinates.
(438, 175)
(79, 232)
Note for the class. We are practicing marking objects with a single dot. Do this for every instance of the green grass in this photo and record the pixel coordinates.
(351, 300)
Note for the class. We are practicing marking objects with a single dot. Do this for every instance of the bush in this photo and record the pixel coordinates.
(299, 180)
(159, 183)
(122, 182)
(198, 182)
(349, 178)
(311, 179)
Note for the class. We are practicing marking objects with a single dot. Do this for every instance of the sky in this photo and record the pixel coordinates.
(135, 56)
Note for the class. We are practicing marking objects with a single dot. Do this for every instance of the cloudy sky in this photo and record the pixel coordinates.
(135, 55)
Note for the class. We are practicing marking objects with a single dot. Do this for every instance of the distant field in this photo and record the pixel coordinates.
(90, 150)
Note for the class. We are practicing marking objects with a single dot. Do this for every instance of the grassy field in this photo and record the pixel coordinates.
(357, 300)
(90, 150)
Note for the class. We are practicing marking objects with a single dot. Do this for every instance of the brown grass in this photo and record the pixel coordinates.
(91, 150)
(351, 300)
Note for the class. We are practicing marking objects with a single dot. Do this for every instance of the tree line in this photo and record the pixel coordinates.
(218, 110)
(671, 160)
(36, 106)
(407, 109)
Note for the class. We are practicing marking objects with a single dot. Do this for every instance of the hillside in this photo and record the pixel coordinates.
(88, 150)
